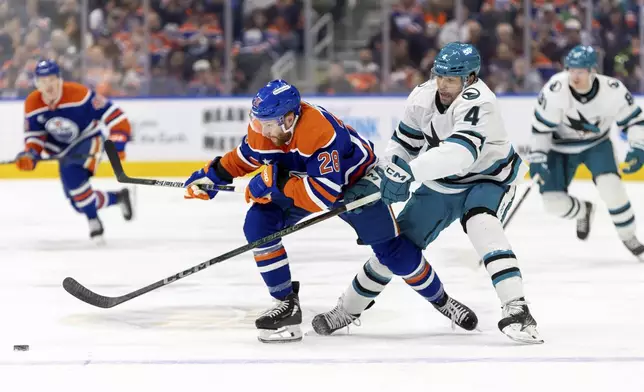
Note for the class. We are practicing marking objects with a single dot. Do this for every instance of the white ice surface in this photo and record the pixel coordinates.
(198, 333)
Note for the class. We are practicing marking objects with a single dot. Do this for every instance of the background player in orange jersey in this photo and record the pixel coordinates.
(312, 162)
(64, 119)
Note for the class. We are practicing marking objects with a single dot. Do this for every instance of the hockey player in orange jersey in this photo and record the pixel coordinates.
(64, 119)
(313, 162)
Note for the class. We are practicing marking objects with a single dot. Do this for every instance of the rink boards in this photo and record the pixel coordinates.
(173, 137)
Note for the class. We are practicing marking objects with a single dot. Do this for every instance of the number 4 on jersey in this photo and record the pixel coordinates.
(473, 115)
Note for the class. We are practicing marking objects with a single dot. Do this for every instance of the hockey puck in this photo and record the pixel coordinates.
(21, 347)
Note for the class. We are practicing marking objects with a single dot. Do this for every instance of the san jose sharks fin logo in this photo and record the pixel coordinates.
(432, 140)
(583, 125)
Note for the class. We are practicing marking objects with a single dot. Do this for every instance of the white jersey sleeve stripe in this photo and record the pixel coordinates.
(543, 121)
(410, 132)
(472, 144)
(474, 136)
(412, 150)
(633, 115)
(409, 138)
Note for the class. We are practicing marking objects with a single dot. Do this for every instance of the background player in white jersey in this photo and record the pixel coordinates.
(64, 119)
(571, 126)
(467, 173)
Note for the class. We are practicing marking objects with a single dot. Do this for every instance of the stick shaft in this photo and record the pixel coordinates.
(119, 172)
(54, 158)
(81, 292)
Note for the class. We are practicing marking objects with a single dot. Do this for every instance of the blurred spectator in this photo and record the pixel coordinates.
(500, 69)
(454, 30)
(626, 65)
(257, 38)
(286, 15)
(68, 19)
(204, 82)
(404, 78)
(131, 74)
(99, 71)
(572, 38)
(428, 62)
(285, 21)
(60, 49)
(523, 78)
(408, 23)
(433, 14)
(367, 65)
(547, 41)
(614, 37)
(366, 76)
(336, 82)
(172, 11)
(108, 45)
(176, 65)
(505, 36)
(163, 84)
(407, 19)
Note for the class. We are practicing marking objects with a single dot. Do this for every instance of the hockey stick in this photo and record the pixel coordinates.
(54, 158)
(119, 172)
(84, 294)
(516, 207)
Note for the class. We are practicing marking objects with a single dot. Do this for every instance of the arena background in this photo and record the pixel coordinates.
(184, 70)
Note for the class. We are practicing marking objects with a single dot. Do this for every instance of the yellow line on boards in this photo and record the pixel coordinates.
(183, 169)
(133, 169)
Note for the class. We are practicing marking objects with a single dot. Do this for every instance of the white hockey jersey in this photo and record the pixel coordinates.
(568, 122)
(452, 148)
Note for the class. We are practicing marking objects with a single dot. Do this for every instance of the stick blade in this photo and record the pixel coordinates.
(86, 295)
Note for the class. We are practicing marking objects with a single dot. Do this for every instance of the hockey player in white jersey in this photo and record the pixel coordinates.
(452, 140)
(571, 126)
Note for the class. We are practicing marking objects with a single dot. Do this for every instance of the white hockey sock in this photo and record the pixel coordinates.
(563, 205)
(365, 287)
(612, 191)
(487, 236)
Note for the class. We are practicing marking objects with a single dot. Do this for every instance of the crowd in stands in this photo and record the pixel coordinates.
(420, 28)
(183, 53)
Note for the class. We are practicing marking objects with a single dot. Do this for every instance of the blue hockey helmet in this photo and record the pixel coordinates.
(50, 88)
(457, 59)
(275, 100)
(46, 68)
(272, 103)
(581, 56)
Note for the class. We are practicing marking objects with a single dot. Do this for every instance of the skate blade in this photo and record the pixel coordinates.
(640, 257)
(528, 335)
(584, 236)
(288, 334)
(127, 213)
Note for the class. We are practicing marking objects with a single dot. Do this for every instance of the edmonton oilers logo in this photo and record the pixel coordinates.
(62, 129)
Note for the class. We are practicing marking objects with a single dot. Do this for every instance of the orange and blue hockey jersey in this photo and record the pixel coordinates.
(324, 157)
(77, 116)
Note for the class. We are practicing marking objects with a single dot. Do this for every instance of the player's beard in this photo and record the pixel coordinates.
(446, 98)
(281, 139)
